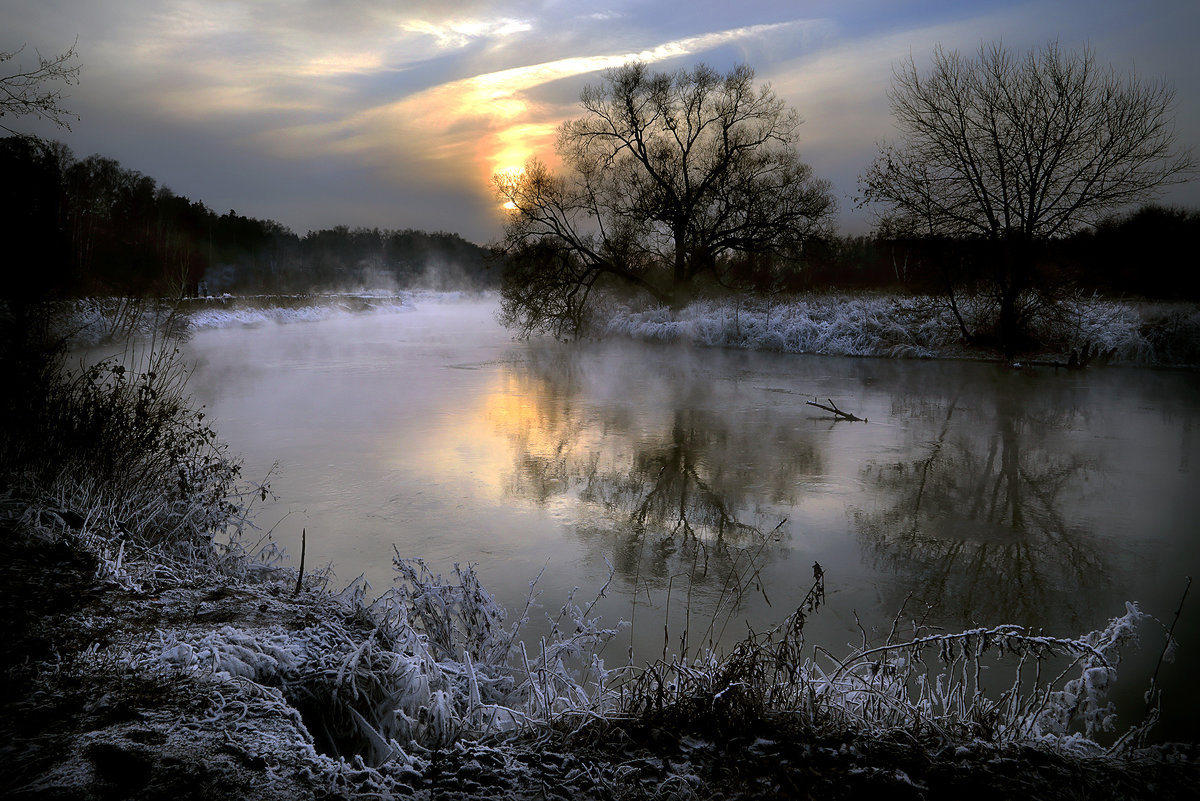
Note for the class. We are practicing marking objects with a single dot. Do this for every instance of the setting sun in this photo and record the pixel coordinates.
(506, 175)
(509, 148)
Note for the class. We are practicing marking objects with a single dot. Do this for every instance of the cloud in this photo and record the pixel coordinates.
(405, 107)
(840, 90)
(458, 34)
(470, 128)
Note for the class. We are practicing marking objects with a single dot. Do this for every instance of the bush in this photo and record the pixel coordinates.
(118, 436)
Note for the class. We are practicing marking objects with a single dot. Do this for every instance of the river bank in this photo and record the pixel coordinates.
(1115, 332)
(162, 680)
(1107, 331)
(160, 646)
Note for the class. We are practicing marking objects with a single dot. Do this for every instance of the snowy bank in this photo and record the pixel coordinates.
(94, 321)
(229, 676)
(903, 327)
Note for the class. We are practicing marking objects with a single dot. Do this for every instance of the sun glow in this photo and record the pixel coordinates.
(505, 176)
(511, 146)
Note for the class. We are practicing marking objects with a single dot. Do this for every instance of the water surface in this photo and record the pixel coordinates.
(975, 494)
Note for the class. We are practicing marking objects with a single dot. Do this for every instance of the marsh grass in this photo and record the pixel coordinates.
(868, 324)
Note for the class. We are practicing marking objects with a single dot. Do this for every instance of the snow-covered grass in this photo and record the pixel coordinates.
(432, 662)
(370, 690)
(834, 325)
(950, 686)
(904, 326)
(863, 324)
(426, 664)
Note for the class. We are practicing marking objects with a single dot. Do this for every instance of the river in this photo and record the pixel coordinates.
(975, 493)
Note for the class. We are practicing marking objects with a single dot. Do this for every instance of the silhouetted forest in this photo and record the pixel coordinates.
(1143, 253)
(76, 227)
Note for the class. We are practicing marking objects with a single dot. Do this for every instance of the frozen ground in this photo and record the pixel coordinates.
(908, 327)
(128, 678)
(134, 669)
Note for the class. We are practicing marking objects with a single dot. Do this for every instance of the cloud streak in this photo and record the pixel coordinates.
(396, 115)
(503, 101)
(468, 129)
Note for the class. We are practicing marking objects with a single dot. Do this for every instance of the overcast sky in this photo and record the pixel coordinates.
(395, 114)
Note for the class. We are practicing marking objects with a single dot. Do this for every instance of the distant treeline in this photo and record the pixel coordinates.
(1144, 253)
(75, 227)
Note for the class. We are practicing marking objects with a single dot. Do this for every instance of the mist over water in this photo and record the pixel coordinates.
(975, 495)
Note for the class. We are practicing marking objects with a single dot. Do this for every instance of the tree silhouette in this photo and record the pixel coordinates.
(1018, 150)
(37, 90)
(666, 175)
(979, 525)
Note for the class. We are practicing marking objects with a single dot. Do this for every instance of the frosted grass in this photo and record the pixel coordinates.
(895, 327)
(831, 325)
(911, 327)
(433, 662)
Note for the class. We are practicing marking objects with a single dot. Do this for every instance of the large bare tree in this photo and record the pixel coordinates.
(665, 176)
(1021, 149)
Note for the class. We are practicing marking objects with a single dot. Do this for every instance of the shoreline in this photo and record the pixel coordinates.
(1101, 332)
(145, 660)
(110, 700)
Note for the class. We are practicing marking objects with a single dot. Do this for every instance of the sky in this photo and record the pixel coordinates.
(395, 114)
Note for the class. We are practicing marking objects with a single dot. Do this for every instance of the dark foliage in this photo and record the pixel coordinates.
(89, 226)
(1149, 252)
(31, 222)
(128, 440)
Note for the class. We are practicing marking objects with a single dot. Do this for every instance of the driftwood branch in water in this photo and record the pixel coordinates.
(838, 413)
(303, 547)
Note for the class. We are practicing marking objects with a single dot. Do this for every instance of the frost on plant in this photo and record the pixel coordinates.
(948, 686)
(434, 661)
(428, 663)
(901, 327)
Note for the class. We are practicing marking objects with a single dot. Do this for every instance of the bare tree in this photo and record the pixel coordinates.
(1021, 149)
(665, 175)
(38, 91)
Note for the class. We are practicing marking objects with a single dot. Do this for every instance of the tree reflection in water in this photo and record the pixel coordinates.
(982, 492)
(978, 527)
(679, 501)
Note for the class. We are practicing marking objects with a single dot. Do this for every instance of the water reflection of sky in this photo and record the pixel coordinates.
(975, 494)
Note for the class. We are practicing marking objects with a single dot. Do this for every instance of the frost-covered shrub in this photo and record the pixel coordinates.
(426, 664)
(824, 324)
(908, 327)
(951, 686)
(117, 440)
